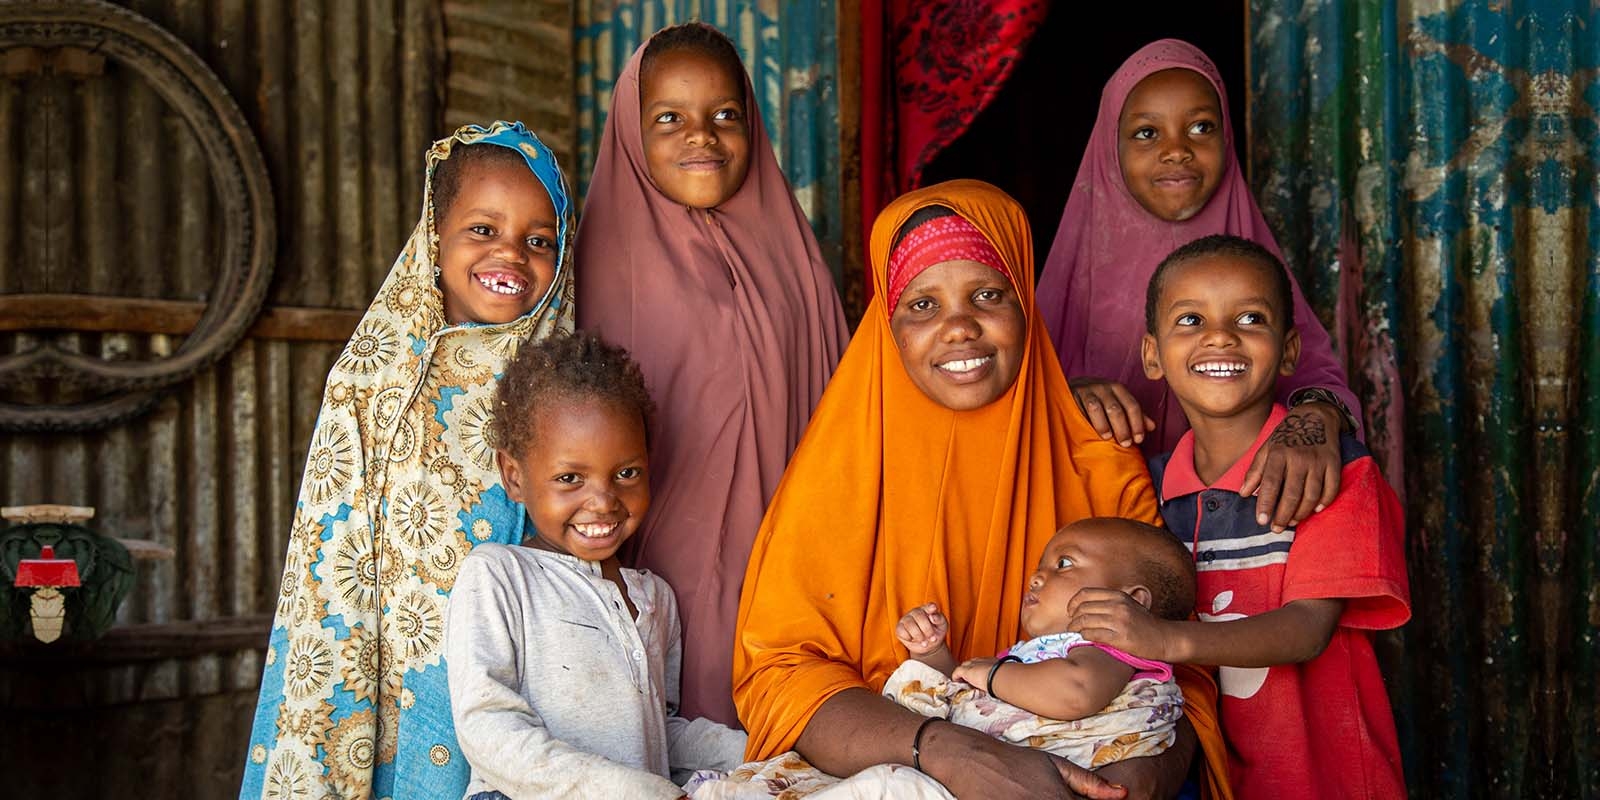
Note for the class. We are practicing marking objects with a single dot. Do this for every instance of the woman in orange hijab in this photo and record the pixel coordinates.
(945, 452)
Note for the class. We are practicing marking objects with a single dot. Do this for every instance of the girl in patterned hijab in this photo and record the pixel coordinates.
(401, 481)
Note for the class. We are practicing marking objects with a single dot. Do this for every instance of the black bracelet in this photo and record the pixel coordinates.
(1317, 394)
(989, 684)
(916, 742)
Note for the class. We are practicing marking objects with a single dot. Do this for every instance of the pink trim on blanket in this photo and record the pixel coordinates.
(1142, 667)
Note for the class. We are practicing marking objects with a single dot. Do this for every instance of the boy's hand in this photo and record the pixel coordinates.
(1111, 409)
(1296, 472)
(922, 630)
(1111, 617)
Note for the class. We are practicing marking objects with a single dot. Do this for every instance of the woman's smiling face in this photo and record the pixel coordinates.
(961, 333)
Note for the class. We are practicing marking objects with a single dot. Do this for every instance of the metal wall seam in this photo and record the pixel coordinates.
(343, 100)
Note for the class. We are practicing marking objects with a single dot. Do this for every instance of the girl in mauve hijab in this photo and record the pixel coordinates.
(1158, 173)
(698, 260)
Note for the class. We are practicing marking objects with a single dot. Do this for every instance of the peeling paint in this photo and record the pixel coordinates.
(1423, 180)
(1448, 167)
(1428, 336)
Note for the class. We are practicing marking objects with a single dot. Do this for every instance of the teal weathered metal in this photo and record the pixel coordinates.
(1430, 169)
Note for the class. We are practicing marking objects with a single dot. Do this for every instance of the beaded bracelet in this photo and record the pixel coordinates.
(989, 684)
(916, 742)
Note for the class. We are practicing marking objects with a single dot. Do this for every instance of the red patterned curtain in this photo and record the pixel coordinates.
(927, 68)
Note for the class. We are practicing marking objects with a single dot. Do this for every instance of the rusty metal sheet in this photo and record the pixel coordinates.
(1431, 167)
(344, 99)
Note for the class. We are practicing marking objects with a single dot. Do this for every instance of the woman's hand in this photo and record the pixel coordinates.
(1111, 409)
(1296, 472)
(858, 728)
(1156, 777)
(1111, 617)
(972, 764)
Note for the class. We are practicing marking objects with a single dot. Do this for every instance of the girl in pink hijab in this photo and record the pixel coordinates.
(1158, 173)
(697, 259)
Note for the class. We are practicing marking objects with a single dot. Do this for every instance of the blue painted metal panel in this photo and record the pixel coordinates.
(1430, 168)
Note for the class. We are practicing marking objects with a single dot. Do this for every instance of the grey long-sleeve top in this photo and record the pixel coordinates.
(556, 692)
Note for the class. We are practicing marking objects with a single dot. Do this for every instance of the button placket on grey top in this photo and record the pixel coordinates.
(622, 625)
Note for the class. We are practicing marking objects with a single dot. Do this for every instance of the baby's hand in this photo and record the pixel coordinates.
(975, 671)
(922, 630)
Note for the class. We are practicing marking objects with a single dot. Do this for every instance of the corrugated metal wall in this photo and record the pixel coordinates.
(791, 51)
(1431, 170)
(344, 98)
(513, 59)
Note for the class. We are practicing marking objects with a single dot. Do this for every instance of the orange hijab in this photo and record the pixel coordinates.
(892, 500)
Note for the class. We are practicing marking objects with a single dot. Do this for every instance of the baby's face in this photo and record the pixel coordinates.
(498, 245)
(1170, 143)
(1081, 555)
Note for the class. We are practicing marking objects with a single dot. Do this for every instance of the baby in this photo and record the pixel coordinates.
(1085, 702)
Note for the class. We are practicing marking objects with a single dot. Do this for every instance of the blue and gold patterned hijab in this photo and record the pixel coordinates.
(400, 484)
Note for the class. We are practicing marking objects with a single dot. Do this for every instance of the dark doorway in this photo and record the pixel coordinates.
(1030, 139)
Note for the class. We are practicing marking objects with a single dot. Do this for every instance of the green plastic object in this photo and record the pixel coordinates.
(105, 573)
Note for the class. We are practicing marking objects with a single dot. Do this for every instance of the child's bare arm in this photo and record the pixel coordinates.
(1294, 633)
(1071, 687)
(923, 630)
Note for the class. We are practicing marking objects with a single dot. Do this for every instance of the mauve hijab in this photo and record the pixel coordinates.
(735, 320)
(1092, 292)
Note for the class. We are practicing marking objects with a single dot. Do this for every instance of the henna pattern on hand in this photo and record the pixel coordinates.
(1300, 431)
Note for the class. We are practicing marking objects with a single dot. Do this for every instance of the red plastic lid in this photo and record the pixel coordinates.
(47, 570)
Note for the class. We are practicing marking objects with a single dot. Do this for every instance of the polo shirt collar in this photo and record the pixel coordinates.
(1180, 478)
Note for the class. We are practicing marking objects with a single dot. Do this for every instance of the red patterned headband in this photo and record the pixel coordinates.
(936, 241)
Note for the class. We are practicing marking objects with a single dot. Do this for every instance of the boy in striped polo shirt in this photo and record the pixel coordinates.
(1287, 615)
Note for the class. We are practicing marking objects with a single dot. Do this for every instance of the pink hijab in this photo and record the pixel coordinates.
(735, 320)
(1091, 294)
